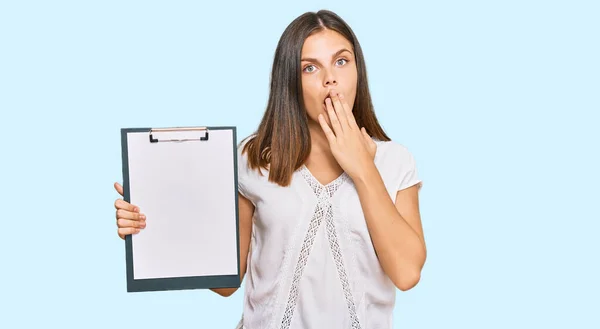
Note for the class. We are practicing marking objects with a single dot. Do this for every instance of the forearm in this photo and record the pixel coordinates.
(401, 251)
(225, 292)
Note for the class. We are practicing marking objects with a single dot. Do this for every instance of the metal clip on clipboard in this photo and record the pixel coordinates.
(185, 131)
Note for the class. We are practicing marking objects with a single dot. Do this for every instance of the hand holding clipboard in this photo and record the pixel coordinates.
(129, 218)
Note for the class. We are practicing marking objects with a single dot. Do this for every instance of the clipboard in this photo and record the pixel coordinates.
(184, 179)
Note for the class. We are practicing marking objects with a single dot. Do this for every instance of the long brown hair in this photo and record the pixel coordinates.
(282, 143)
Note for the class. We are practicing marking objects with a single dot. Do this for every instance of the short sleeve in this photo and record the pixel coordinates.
(408, 170)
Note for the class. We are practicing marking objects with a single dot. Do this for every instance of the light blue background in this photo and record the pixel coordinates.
(497, 100)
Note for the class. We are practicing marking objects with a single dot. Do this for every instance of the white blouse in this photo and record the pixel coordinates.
(311, 262)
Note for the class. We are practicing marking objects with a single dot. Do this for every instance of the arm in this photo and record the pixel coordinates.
(395, 230)
(246, 210)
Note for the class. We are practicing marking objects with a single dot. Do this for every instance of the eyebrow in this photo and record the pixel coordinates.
(337, 53)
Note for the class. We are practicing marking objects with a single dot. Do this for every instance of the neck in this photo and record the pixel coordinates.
(318, 139)
(320, 150)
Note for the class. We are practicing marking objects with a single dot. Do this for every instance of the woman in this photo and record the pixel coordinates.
(328, 204)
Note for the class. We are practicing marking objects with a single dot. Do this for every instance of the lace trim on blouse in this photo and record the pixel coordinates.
(323, 212)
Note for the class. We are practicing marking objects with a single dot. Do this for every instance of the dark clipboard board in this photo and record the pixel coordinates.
(146, 152)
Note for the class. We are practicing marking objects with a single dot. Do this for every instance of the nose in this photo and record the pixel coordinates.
(330, 79)
(330, 82)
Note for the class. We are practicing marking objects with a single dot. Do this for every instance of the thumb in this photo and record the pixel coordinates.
(119, 188)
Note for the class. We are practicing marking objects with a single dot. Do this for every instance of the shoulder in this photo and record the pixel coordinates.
(242, 152)
(397, 164)
(244, 141)
(392, 152)
(246, 177)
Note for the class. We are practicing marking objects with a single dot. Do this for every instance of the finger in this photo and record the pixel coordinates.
(365, 135)
(369, 140)
(125, 223)
(339, 110)
(333, 118)
(119, 188)
(348, 111)
(328, 132)
(127, 231)
(122, 204)
(121, 213)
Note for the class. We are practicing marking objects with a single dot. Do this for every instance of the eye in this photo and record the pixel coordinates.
(306, 68)
(341, 59)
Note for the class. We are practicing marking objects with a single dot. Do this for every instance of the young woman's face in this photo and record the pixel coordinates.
(327, 63)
